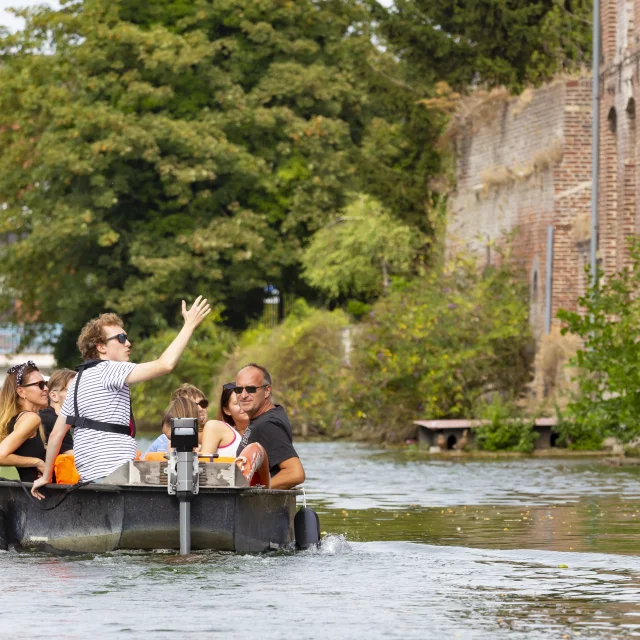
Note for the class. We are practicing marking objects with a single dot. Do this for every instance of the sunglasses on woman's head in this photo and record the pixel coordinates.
(121, 338)
(204, 403)
(41, 383)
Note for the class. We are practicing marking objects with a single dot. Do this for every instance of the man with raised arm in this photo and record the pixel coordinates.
(98, 402)
(269, 426)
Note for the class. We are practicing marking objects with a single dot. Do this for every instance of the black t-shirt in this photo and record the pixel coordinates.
(273, 431)
(49, 417)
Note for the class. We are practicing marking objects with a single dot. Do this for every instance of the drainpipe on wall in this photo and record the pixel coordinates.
(548, 281)
(595, 142)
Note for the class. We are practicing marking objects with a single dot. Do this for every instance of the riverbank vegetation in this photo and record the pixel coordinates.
(606, 402)
(153, 153)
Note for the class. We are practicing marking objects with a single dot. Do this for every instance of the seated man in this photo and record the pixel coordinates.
(98, 402)
(269, 426)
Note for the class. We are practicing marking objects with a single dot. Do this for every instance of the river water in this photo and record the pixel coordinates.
(414, 548)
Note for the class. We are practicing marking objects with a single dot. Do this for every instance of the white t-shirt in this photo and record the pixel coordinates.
(104, 396)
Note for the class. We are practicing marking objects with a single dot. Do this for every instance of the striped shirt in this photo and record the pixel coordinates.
(104, 396)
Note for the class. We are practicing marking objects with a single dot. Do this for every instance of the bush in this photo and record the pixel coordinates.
(432, 349)
(305, 356)
(607, 402)
(507, 430)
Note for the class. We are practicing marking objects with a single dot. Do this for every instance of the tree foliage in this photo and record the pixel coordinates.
(356, 254)
(153, 154)
(493, 42)
(306, 358)
(438, 345)
(607, 402)
(209, 349)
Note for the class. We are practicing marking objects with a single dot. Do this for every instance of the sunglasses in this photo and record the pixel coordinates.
(204, 403)
(41, 384)
(121, 338)
(250, 389)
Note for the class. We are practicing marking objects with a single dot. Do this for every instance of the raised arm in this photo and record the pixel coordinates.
(60, 429)
(169, 359)
(24, 429)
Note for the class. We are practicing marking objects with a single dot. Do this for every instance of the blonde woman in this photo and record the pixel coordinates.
(58, 385)
(23, 394)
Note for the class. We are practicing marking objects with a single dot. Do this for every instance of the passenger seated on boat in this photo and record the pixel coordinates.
(230, 411)
(187, 390)
(23, 394)
(179, 407)
(269, 426)
(98, 403)
(222, 436)
(58, 385)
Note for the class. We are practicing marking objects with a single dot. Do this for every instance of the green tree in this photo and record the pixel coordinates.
(153, 154)
(493, 42)
(356, 254)
(607, 402)
(436, 346)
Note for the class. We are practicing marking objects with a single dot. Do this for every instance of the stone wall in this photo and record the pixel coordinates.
(526, 168)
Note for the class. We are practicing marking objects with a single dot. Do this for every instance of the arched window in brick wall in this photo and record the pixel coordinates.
(612, 120)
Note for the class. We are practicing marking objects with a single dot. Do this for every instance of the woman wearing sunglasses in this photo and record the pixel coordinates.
(222, 436)
(219, 436)
(224, 439)
(23, 394)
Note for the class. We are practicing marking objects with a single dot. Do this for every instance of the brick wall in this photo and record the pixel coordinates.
(511, 178)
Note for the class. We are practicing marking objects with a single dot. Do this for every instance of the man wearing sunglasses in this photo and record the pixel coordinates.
(98, 402)
(269, 426)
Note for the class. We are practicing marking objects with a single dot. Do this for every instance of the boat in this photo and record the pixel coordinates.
(133, 509)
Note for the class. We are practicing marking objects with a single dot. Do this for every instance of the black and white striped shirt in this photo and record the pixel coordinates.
(104, 396)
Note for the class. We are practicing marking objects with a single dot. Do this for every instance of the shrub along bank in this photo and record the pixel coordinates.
(435, 347)
(607, 403)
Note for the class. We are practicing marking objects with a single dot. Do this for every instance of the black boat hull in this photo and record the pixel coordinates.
(102, 518)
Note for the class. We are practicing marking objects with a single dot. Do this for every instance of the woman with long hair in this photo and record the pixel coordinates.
(222, 436)
(58, 385)
(23, 394)
(230, 411)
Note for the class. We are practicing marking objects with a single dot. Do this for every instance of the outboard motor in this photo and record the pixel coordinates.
(306, 526)
(183, 473)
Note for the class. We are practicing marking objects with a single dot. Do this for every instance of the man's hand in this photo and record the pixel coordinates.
(198, 312)
(40, 482)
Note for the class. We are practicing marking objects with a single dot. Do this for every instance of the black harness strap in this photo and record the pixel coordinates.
(80, 422)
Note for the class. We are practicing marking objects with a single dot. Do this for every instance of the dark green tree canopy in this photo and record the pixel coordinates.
(182, 148)
(494, 42)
